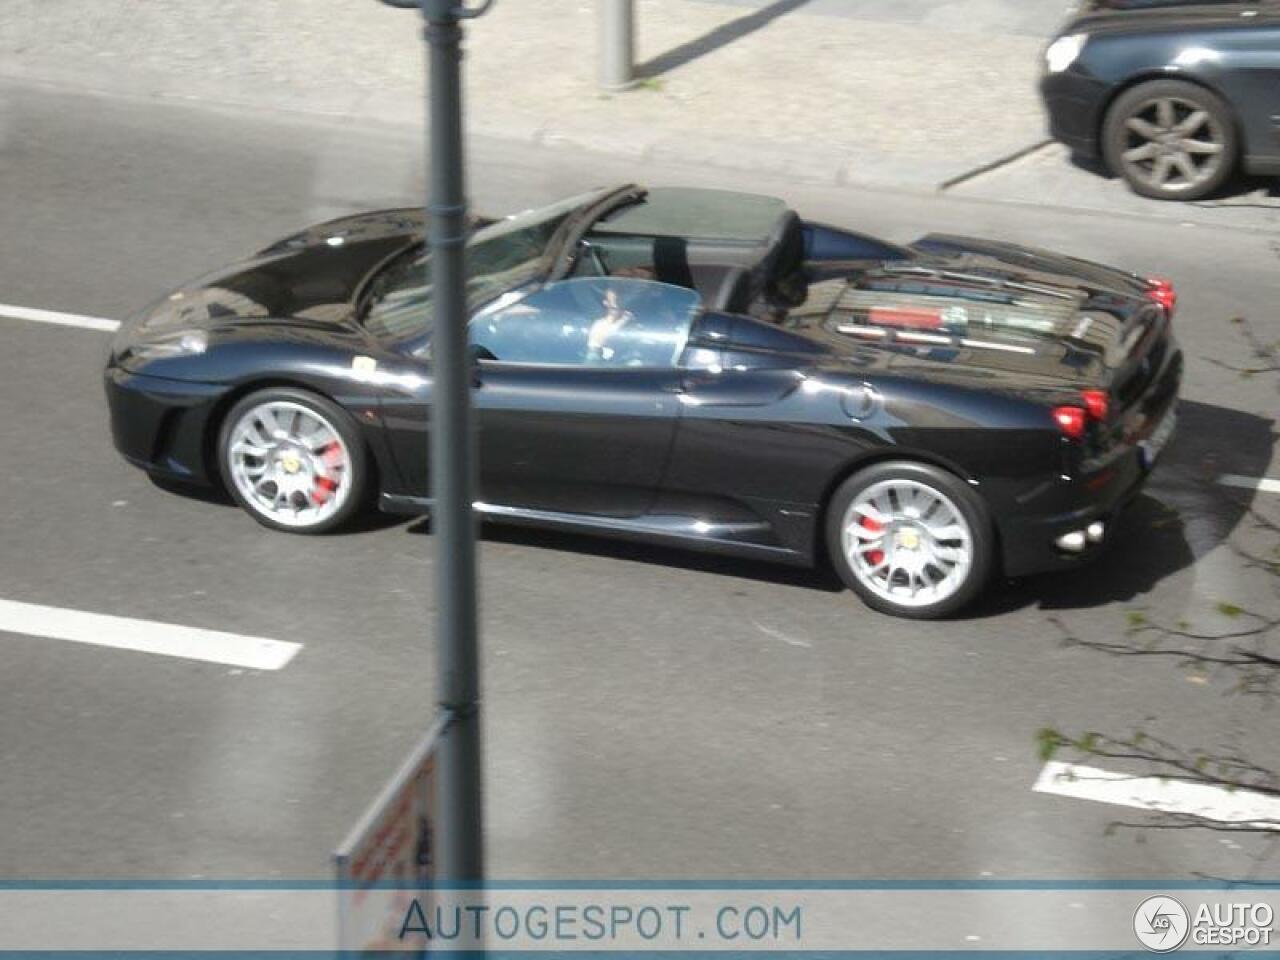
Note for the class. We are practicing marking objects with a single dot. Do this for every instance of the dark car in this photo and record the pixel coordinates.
(1174, 97)
(686, 367)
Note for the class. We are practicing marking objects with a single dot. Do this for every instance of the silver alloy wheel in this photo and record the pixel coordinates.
(289, 463)
(907, 542)
(1172, 145)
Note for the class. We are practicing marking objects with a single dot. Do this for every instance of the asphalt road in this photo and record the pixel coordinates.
(650, 714)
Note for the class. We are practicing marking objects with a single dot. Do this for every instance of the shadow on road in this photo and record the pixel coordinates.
(367, 521)
(812, 579)
(1233, 193)
(721, 36)
(1264, 192)
(192, 491)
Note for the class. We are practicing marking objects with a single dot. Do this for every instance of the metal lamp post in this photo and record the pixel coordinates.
(459, 840)
(617, 44)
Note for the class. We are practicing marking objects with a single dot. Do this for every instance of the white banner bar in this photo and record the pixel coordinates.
(592, 919)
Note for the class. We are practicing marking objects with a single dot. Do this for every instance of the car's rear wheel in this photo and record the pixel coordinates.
(911, 539)
(293, 460)
(1171, 140)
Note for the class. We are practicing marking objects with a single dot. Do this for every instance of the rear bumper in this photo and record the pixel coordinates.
(160, 425)
(1029, 543)
(1098, 492)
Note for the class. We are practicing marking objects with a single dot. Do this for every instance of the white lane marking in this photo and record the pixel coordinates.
(1159, 796)
(61, 319)
(1265, 484)
(779, 635)
(146, 636)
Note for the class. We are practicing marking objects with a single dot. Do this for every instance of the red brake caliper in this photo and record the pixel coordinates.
(874, 557)
(323, 487)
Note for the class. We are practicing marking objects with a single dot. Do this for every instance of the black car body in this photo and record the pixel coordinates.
(1228, 52)
(757, 365)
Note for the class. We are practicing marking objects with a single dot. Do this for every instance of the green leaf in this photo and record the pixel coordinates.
(1229, 609)
(1048, 740)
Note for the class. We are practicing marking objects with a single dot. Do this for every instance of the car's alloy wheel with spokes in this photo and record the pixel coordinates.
(1171, 140)
(293, 460)
(911, 539)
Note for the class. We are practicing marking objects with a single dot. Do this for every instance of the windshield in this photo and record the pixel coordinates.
(501, 257)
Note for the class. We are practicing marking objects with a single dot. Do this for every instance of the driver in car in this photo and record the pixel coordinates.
(615, 317)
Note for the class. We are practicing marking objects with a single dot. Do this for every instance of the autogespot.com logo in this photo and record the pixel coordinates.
(1161, 924)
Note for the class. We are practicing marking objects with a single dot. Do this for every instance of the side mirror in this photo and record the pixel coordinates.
(476, 353)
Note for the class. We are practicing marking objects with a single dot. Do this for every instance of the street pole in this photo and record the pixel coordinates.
(459, 852)
(617, 44)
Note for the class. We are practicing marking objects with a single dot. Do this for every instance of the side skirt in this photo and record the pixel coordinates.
(670, 531)
(1264, 164)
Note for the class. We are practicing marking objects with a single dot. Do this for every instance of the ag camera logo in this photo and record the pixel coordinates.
(1161, 924)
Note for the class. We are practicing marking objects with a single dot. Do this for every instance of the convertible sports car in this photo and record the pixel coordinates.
(687, 367)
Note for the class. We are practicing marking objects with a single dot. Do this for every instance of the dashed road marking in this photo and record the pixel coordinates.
(9, 312)
(1159, 795)
(145, 636)
(1264, 484)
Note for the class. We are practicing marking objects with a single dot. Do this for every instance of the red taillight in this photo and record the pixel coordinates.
(1097, 403)
(1071, 421)
(1161, 291)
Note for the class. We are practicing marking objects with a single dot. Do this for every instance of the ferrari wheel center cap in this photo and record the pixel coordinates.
(290, 463)
(909, 538)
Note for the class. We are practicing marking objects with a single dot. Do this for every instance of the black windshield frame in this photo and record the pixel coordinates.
(557, 254)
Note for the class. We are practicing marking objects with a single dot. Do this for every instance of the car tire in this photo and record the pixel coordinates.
(1158, 133)
(294, 460)
(911, 539)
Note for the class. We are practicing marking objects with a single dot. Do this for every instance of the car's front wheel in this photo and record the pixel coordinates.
(911, 539)
(1171, 140)
(293, 460)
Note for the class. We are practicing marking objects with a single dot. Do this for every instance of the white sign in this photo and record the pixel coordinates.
(389, 855)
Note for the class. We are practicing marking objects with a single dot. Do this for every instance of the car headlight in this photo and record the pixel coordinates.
(179, 343)
(1063, 52)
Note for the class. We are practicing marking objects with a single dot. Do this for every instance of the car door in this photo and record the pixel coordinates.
(575, 394)
(1247, 72)
(759, 441)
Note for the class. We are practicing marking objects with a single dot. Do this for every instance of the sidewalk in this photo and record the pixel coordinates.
(813, 96)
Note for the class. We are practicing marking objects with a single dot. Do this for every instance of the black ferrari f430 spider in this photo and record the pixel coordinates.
(686, 367)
